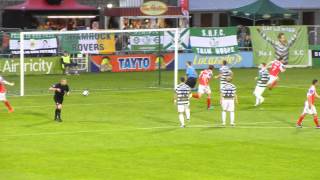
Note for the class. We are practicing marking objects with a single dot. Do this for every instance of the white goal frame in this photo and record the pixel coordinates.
(23, 34)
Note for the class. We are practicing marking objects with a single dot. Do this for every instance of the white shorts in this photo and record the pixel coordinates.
(183, 108)
(204, 89)
(3, 97)
(228, 105)
(311, 111)
(221, 85)
(272, 79)
(259, 91)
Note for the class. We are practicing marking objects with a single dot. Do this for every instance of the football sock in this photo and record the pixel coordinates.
(7, 104)
(224, 117)
(300, 120)
(232, 117)
(208, 102)
(315, 119)
(257, 100)
(188, 113)
(273, 84)
(181, 119)
(195, 96)
(57, 114)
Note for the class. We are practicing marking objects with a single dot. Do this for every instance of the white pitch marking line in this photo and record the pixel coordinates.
(120, 90)
(89, 104)
(149, 128)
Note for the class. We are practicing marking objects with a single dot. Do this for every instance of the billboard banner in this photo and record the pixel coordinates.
(214, 41)
(156, 41)
(146, 41)
(240, 60)
(288, 42)
(88, 43)
(37, 65)
(168, 39)
(315, 54)
(131, 63)
(33, 44)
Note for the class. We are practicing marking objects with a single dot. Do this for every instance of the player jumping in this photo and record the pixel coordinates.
(228, 98)
(309, 107)
(277, 66)
(183, 92)
(225, 72)
(204, 87)
(262, 81)
(60, 89)
(3, 92)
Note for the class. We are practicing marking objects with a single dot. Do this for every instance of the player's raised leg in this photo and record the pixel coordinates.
(204, 87)
(3, 92)
(262, 81)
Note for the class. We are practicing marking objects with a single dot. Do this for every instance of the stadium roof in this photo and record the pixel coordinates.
(42, 5)
(226, 5)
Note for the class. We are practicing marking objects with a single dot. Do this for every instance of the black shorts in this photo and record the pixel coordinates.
(191, 82)
(70, 65)
(58, 100)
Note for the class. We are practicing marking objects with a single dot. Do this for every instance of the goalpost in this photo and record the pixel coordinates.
(24, 46)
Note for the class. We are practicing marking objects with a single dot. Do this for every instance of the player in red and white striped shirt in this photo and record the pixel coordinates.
(3, 92)
(277, 66)
(309, 107)
(204, 86)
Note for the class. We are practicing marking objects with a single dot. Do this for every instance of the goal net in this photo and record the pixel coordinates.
(92, 59)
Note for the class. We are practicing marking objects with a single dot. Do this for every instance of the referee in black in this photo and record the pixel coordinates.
(60, 89)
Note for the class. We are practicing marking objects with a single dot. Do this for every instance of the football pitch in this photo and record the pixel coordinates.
(128, 128)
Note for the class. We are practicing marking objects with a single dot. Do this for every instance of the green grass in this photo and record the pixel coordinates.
(129, 131)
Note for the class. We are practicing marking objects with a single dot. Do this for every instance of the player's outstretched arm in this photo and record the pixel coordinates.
(294, 38)
(265, 37)
(8, 83)
(54, 89)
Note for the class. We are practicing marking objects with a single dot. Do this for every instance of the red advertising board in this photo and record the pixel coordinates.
(129, 63)
(184, 4)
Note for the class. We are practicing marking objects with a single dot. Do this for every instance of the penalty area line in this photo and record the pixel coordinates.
(147, 129)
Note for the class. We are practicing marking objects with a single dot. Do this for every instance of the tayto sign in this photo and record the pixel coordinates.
(134, 63)
(154, 8)
(131, 62)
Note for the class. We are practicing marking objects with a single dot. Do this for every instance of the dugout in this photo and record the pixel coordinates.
(49, 15)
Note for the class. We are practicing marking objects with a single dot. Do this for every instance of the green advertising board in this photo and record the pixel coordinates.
(266, 44)
(146, 41)
(34, 65)
(214, 41)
